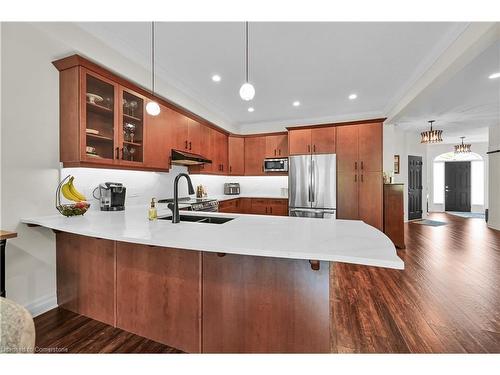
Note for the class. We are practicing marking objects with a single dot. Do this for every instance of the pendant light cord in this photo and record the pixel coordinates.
(153, 57)
(246, 50)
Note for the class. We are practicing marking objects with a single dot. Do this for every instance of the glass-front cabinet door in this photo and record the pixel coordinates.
(131, 137)
(99, 118)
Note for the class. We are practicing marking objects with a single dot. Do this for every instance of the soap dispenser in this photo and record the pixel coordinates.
(153, 213)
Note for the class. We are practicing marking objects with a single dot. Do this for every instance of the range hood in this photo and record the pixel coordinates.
(187, 158)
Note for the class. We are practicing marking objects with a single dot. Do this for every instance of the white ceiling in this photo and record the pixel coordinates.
(465, 105)
(319, 64)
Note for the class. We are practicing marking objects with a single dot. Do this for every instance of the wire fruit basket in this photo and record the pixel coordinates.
(69, 209)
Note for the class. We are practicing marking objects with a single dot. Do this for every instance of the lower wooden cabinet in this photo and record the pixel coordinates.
(86, 276)
(394, 214)
(256, 206)
(158, 294)
(264, 305)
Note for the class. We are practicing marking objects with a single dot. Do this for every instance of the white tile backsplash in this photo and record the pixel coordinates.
(142, 186)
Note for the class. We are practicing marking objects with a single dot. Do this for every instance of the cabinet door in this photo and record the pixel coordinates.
(347, 195)
(370, 198)
(229, 206)
(323, 140)
(347, 148)
(370, 147)
(158, 143)
(245, 205)
(278, 207)
(100, 119)
(132, 132)
(179, 131)
(276, 146)
(255, 151)
(206, 150)
(236, 155)
(194, 136)
(260, 206)
(220, 152)
(158, 294)
(299, 142)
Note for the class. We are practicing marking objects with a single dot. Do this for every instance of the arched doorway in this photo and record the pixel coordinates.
(458, 181)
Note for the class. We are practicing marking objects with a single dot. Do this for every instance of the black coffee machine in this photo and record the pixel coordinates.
(112, 196)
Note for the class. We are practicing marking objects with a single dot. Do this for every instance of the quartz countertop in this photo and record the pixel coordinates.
(348, 241)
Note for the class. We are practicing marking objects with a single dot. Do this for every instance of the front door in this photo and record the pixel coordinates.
(414, 187)
(457, 186)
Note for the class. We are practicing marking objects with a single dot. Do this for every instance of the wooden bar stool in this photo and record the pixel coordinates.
(4, 235)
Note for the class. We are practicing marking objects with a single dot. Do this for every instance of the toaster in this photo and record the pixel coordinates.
(232, 188)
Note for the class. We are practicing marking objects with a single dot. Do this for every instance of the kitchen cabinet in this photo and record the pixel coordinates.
(194, 136)
(158, 294)
(158, 140)
(236, 155)
(255, 153)
(207, 150)
(255, 206)
(394, 214)
(219, 152)
(179, 124)
(276, 146)
(230, 206)
(359, 173)
(319, 140)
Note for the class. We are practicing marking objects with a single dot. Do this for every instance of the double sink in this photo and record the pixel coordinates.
(200, 219)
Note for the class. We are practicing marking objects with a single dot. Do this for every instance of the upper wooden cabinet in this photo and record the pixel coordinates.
(255, 153)
(236, 155)
(219, 146)
(277, 146)
(158, 140)
(320, 140)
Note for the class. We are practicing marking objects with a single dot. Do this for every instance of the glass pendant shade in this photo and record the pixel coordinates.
(247, 91)
(431, 136)
(462, 148)
(153, 108)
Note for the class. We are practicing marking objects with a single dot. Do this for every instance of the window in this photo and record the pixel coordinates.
(438, 188)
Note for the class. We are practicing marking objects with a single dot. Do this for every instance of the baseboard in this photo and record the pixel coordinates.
(42, 304)
(493, 225)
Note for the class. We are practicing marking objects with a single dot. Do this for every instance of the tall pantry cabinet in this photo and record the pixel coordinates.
(359, 173)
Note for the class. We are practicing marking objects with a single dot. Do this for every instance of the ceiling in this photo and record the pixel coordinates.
(464, 105)
(318, 64)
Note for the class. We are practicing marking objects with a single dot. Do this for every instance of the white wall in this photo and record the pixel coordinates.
(435, 150)
(399, 142)
(494, 178)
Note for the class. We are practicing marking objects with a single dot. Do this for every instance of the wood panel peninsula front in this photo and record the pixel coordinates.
(253, 284)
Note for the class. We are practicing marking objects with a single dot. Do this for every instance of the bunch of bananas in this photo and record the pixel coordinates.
(69, 191)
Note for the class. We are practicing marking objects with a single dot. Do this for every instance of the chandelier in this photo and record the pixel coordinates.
(462, 148)
(431, 136)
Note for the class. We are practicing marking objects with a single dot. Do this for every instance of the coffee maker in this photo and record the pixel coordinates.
(112, 196)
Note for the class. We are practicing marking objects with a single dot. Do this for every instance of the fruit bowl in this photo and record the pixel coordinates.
(73, 209)
(69, 191)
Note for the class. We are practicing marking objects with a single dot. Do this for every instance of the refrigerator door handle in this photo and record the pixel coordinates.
(313, 180)
(309, 185)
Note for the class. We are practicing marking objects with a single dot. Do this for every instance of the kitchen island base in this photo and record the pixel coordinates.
(198, 302)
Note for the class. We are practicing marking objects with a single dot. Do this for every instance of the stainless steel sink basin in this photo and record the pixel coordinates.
(200, 219)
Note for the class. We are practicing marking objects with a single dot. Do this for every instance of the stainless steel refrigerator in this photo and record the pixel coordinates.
(312, 186)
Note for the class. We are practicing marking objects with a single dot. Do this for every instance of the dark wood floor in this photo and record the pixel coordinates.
(447, 300)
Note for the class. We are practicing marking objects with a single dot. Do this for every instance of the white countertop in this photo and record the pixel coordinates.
(347, 241)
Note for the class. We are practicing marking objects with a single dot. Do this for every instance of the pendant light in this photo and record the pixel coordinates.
(247, 91)
(431, 136)
(462, 148)
(152, 107)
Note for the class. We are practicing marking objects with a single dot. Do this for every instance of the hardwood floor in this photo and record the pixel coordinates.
(445, 301)
(62, 331)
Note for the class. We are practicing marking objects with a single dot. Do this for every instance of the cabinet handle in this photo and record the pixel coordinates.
(222, 167)
(314, 148)
(266, 210)
(122, 153)
(274, 152)
(118, 152)
(186, 144)
(308, 148)
(361, 165)
(355, 178)
(230, 168)
(361, 178)
(271, 209)
(279, 152)
(189, 145)
(355, 165)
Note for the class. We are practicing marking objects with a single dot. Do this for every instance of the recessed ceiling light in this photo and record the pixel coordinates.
(352, 96)
(296, 103)
(494, 75)
(216, 78)
(250, 109)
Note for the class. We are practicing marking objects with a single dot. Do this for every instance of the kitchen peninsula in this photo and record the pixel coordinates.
(253, 284)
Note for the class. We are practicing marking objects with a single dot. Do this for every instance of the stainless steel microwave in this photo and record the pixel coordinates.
(276, 165)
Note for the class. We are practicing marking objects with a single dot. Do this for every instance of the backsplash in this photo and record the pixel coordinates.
(142, 186)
